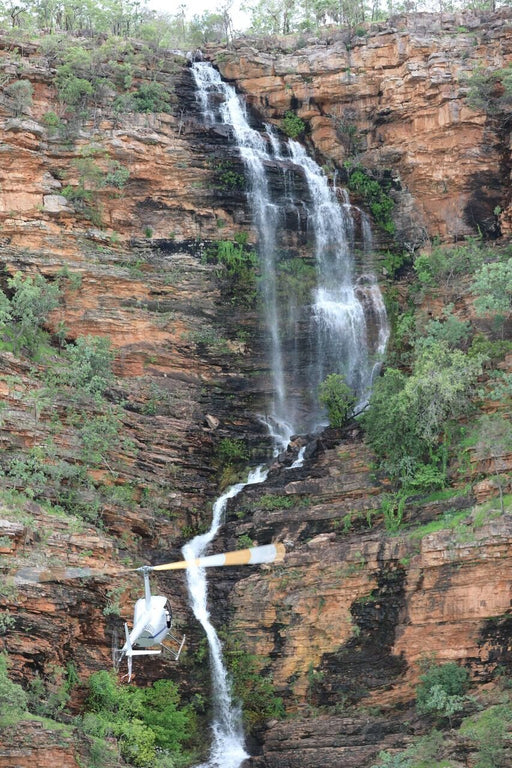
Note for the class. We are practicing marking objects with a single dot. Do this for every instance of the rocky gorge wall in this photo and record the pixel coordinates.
(393, 98)
(342, 626)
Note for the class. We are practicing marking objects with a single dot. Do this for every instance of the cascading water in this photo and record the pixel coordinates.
(340, 319)
(227, 749)
(332, 320)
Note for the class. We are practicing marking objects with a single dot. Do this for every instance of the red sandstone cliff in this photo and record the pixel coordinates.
(344, 622)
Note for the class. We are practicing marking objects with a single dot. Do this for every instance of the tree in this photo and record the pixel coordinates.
(12, 695)
(492, 287)
(338, 398)
(32, 301)
(20, 95)
(89, 368)
(16, 10)
(494, 442)
(441, 689)
(275, 17)
(407, 415)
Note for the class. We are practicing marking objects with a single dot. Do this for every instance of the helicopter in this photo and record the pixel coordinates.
(152, 615)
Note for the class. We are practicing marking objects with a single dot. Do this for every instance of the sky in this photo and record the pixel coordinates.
(240, 19)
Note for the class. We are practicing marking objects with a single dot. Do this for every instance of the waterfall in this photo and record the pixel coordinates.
(227, 749)
(320, 316)
(340, 325)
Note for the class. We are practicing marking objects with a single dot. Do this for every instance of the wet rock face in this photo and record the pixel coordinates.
(366, 661)
(395, 99)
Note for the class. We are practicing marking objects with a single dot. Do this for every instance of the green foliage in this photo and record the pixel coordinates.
(52, 122)
(338, 398)
(491, 90)
(448, 330)
(490, 731)
(21, 317)
(244, 541)
(20, 95)
(492, 287)
(293, 125)
(99, 435)
(271, 501)
(376, 195)
(348, 133)
(231, 451)
(442, 689)
(49, 696)
(443, 266)
(151, 97)
(394, 261)
(73, 91)
(296, 278)
(251, 686)
(423, 753)
(238, 264)
(12, 696)
(393, 507)
(89, 365)
(226, 178)
(148, 723)
(407, 414)
(492, 352)
(117, 175)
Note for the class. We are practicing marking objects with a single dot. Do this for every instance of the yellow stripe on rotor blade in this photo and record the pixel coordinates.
(240, 557)
(268, 553)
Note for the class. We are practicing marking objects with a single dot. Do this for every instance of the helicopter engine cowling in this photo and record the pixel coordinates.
(157, 623)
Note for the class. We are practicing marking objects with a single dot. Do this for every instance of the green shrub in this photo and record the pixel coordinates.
(293, 125)
(20, 95)
(490, 731)
(449, 330)
(446, 265)
(117, 175)
(252, 687)
(52, 122)
(338, 398)
(33, 298)
(151, 97)
(393, 507)
(226, 178)
(89, 368)
(73, 91)
(442, 689)
(273, 501)
(296, 278)
(13, 698)
(147, 722)
(408, 414)
(492, 287)
(238, 272)
(491, 90)
(376, 196)
(231, 451)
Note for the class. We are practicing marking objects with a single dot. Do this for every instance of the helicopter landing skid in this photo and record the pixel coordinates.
(117, 654)
(172, 651)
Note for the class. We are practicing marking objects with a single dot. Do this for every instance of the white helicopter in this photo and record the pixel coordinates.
(152, 616)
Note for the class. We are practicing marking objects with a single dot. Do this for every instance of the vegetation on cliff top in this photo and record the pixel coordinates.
(178, 31)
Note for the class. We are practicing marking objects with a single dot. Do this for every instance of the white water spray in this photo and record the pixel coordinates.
(228, 749)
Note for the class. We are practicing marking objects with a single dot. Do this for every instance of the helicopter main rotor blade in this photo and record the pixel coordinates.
(268, 553)
(44, 575)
